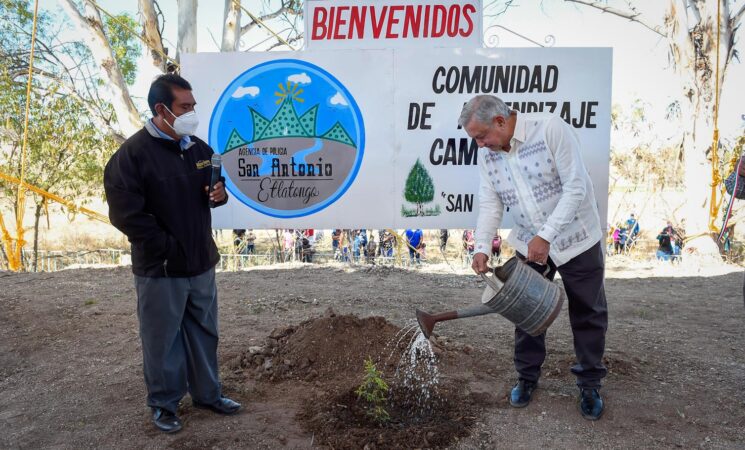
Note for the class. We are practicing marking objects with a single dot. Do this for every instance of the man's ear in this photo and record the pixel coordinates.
(498, 120)
(162, 111)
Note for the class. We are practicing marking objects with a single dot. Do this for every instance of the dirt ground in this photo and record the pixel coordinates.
(71, 376)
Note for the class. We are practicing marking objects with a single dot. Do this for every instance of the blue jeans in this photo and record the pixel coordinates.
(663, 255)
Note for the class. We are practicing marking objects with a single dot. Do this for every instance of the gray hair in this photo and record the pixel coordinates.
(483, 108)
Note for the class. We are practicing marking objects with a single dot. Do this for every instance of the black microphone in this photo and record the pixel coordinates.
(215, 176)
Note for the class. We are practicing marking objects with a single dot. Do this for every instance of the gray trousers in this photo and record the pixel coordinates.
(588, 315)
(178, 328)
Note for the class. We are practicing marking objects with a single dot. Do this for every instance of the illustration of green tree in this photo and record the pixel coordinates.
(419, 187)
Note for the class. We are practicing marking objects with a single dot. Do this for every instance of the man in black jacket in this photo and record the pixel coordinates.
(157, 188)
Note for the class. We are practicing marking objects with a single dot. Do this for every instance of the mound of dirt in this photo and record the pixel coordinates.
(327, 348)
(330, 352)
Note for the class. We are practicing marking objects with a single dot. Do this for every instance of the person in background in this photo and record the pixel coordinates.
(616, 236)
(306, 250)
(158, 188)
(335, 242)
(632, 226)
(357, 246)
(381, 238)
(363, 242)
(468, 244)
(250, 239)
(239, 243)
(496, 248)
(288, 244)
(665, 240)
(387, 244)
(414, 240)
(734, 184)
(371, 250)
(346, 244)
(298, 236)
(444, 235)
(621, 238)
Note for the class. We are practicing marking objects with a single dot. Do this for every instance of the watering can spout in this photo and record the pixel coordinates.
(425, 322)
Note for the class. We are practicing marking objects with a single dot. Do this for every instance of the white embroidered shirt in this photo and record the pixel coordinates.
(543, 182)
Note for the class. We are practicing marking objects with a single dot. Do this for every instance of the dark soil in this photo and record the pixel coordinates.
(341, 421)
(71, 365)
(332, 350)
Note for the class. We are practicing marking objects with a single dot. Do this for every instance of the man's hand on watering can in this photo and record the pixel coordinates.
(538, 250)
(479, 264)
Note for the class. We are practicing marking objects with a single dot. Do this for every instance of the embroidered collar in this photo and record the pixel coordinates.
(520, 132)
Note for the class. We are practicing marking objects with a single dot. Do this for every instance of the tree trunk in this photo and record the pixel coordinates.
(232, 26)
(279, 249)
(187, 27)
(151, 34)
(37, 215)
(91, 28)
(692, 38)
(5, 256)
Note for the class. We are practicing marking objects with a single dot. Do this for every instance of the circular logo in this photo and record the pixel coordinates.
(291, 138)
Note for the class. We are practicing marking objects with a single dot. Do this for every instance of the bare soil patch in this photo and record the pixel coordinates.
(71, 364)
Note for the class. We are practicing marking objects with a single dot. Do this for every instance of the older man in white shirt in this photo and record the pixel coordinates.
(531, 166)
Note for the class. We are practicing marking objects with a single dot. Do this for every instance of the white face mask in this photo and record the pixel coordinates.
(184, 125)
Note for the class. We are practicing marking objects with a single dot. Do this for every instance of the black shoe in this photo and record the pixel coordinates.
(590, 404)
(166, 421)
(222, 406)
(522, 393)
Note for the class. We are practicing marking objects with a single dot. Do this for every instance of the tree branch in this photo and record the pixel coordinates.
(631, 16)
(289, 41)
(495, 5)
(283, 10)
(737, 17)
(151, 33)
(688, 4)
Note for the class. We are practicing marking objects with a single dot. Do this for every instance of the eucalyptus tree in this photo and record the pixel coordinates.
(87, 19)
(689, 27)
(71, 129)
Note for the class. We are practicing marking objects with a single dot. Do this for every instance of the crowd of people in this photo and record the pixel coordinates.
(360, 245)
(624, 236)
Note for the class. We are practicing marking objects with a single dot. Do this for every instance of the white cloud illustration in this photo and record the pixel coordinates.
(251, 91)
(299, 78)
(338, 100)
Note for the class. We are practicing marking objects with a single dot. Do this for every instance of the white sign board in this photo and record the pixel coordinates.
(325, 139)
(378, 24)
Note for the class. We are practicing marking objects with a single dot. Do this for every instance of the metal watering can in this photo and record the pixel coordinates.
(514, 290)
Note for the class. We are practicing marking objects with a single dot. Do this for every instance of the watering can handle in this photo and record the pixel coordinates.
(490, 281)
(545, 272)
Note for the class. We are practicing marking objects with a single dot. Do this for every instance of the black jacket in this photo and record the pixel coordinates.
(156, 197)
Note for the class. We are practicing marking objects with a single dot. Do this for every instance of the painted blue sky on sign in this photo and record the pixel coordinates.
(259, 88)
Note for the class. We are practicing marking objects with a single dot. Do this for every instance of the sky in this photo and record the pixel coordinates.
(640, 62)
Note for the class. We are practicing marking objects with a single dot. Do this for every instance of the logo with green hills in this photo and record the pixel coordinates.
(291, 138)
